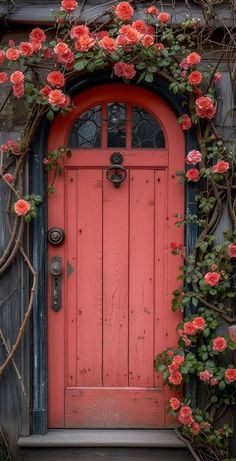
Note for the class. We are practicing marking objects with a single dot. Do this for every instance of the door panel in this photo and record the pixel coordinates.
(117, 274)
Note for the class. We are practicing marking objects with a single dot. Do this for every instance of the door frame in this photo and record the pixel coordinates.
(38, 243)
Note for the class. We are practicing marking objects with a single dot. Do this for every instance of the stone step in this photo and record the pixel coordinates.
(103, 445)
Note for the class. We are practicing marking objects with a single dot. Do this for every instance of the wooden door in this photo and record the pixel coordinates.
(118, 274)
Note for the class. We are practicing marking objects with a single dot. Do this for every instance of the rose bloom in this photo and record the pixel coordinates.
(185, 122)
(2, 57)
(66, 103)
(56, 98)
(84, 43)
(193, 175)
(108, 44)
(189, 328)
(68, 5)
(56, 78)
(217, 77)
(124, 11)
(67, 59)
(195, 78)
(193, 157)
(147, 40)
(205, 376)
(18, 90)
(8, 177)
(152, 10)
(26, 49)
(163, 17)
(205, 107)
(219, 344)
(101, 34)
(212, 278)
(121, 69)
(159, 46)
(231, 250)
(178, 360)
(77, 31)
(174, 403)
(9, 144)
(37, 35)
(175, 378)
(121, 40)
(61, 48)
(199, 323)
(12, 54)
(187, 342)
(196, 428)
(17, 77)
(3, 77)
(185, 415)
(172, 368)
(193, 59)
(220, 167)
(48, 53)
(170, 353)
(133, 36)
(125, 28)
(21, 207)
(140, 26)
(213, 382)
(230, 375)
(45, 91)
(36, 46)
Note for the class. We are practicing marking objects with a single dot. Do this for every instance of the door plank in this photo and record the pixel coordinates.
(115, 284)
(107, 407)
(141, 280)
(89, 278)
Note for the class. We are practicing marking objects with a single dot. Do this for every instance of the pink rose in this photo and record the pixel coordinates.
(193, 157)
(77, 31)
(68, 5)
(3, 77)
(205, 107)
(185, 122)
(2, 57)
(56, 78)
(213, 382)
(193, 59)
(199, 323)
(192, 175)
(175, 378)
(108, 44)
(230, 375)
(185, 415)
(84, 43)
(178, 360)
(121, 69)
(26, 49)
(232, 250)
(8, 177)
(212, 278)
(37, 35)
(196, 428)
(18, 90)
(220, 167)
(21, 207)
(147, 40)
(217, 77)
(163, 18)
(140, 26)
(189, 328)
(124, 11)
(219, 344)
(174, 403)
(17, 77)
(205, 376)
(152, 10)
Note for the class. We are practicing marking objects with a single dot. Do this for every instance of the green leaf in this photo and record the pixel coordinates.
(50, 115)
(141, 65)
(80, 65)
(148, 77)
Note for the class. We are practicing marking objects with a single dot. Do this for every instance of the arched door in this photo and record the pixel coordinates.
(118, 274)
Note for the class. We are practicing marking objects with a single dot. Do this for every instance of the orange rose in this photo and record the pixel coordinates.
(21, 207)
(193, 59)
(124, 11)
(133, 36)
(3, 77)
(26, 49)
(192, 175)
(189, 328)
(61, 48)
(12, 54)
(175, 378)
(185, 415)
(195, 78)
(220, 167)
(77, 31)
(56, 98)
(163, 17)
(152, 10)
(37, 35)
(68, 5)
(147, 40)
(84, 43)
(17, 77)
(107, 43)
(140, 26)
(56, 78)
(205, 107)
(230, 375)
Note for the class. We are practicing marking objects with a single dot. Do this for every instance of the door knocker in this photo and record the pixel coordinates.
(116, 173)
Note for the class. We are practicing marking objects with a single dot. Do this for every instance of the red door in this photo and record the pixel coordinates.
(118, 274)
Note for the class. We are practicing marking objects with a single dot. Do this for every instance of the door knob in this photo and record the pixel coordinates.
(116, 173)
(56, 235)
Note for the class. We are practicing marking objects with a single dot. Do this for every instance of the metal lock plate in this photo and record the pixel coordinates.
(55, 269)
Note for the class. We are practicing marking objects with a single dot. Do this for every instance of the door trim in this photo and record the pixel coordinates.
(38, 244)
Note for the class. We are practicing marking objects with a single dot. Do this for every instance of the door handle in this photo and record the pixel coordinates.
(55, 269)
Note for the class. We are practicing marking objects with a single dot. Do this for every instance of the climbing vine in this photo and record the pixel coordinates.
(149, 48)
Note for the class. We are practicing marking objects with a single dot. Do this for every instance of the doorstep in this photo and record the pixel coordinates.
(149, 438)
